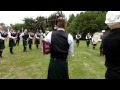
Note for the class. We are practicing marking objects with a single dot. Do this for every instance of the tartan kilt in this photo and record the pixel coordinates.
(37, 41)
(30, 41)
(2, 44)
(24, 42)
(11, 43)
(58, 70)
(87, 42)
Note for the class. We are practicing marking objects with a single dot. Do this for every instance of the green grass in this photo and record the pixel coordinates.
(86, 64)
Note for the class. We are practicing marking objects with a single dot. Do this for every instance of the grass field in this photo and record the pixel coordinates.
(86, 64)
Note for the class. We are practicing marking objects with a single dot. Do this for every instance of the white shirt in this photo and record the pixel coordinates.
(70, 41)
(22, 34)
(37, 36)
(30, 37)
(9, 35)
(44, 35)
(88, 36)
(1, 36)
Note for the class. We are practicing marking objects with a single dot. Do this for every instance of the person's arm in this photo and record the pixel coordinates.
(71, 43)
(30, 37)
(36, 36)
(48, 37)
(2, 37)
(22, 34)
(9, 35)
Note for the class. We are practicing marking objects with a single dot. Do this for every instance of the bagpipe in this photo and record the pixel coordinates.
(46, 47)
(14, 34)
(38, 35)
(5, 35)
(32, 35)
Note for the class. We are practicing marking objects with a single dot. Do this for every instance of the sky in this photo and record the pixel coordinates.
(12, 17)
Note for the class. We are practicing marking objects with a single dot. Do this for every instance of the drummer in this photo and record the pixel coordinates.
(95, 39)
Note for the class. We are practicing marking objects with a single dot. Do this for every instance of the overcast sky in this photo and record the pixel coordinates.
(12, 17)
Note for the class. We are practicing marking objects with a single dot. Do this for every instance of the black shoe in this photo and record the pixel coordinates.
(12, 53)
(24, 50)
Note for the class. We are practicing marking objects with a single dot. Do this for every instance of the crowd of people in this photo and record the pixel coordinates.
(59, 51)
(93, 39)
(28, 37)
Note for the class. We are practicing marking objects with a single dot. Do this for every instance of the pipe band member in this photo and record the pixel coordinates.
(30, 39)
(18, 38)
(101, 46)
(2, 42)
(111, 45)
(24, 35)
(11, 36)
(46, 33)
(95, 39)
(37, 39)
(88, 38)
(62, 44)
(78, 36)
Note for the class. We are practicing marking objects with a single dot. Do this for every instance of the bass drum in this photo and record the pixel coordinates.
(96, 38)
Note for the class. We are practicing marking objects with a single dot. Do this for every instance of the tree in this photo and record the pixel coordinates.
(18, 26)
(30, 23)
(41, 23)
(71, 18)
(89, 21)
(52, 19)
(4, 26)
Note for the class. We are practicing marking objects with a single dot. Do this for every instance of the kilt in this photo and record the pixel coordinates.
(94, 44)
(11, 43)
(30, 41)
(24, 42)
(88, 42)
(37, 41)
(2, 44)
(58, 69)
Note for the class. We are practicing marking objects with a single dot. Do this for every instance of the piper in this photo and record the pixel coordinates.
(2, 41)
(12, 36)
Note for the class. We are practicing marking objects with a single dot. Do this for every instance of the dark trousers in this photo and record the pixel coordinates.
(17, 42)
(30, 46)
(37, 46)
(111, 74)
(11, 50)
(58, 69)
(25, 48)
(77, 42)
(1, 54)
(88, 42)
(94, 45)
